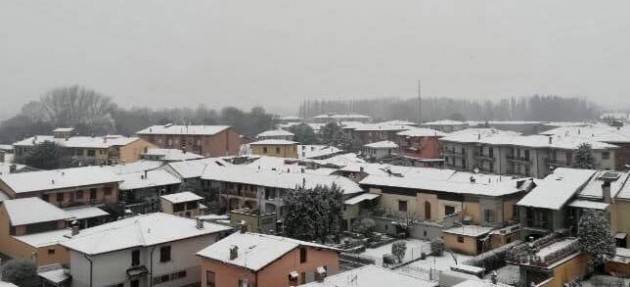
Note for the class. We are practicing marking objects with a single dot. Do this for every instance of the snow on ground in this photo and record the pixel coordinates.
(441, 263)
(508, 274)
(605, 281)
(414, 248)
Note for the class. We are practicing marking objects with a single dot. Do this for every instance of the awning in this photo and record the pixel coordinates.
(294, 274)
(621, 235)
(361, 197)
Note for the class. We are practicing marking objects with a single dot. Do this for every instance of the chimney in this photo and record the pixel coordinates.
(550, 140)
(494, 277)
(233, 252)
(606, 191)
(361, 169)
(75, 229)
(198, 223)
(12, 168)
(303, 181)
(146, 173)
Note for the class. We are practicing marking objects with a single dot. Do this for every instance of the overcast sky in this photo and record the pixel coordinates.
(276, 53)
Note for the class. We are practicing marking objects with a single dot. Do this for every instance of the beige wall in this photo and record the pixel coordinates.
(620, 216)
(568, 271)
(133, 151)
(274, 275)
(468, 247)
(288, 151)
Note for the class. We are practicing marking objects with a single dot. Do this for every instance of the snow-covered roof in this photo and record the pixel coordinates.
(171, 154)
(469, 230)
(136, 166)
(587, 204)
(381, 127)
(421, 132)
(85, 212)
(445, 123)
(56, 276)
(195, 168)
(289, 118)
(56, 179)
(7, 284)
(556, 246)
(278, 179)
(274, 142)
(150, 178)
(275, 133)
(555, 190)
(479, 283)
(79, 141)
(495, 186)
(593, 189)
(544, 141)
(169, 129)
(398, 123)
(475, 135)
(622, 255)
(138, 231)
(6, 147)
(315, 151)
(371, 276)
(255, 250)
(5, 167)
(382, 145)
(44, 239)
(180, 197)
(31, 210)
(63, 130)
(361, 197)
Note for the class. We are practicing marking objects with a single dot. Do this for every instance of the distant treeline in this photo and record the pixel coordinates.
(91, 113)
(539, 108)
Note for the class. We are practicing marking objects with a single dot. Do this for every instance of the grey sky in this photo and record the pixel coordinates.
(277, 52)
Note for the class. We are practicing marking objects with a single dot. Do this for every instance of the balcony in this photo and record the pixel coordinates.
(481, 156)
(518, 159)
(453, 154)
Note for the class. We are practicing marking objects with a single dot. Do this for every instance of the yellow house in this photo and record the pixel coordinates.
(275, 147)
(31, 229)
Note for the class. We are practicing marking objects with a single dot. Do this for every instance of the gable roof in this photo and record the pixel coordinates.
(79, 141)
(273, 142)
(180, 197)
(255, 250)
(61, 178)
(382, 145)
(183, 130)
(31, 210)
(138, 231)
(421, 132)
(555, 190)
(275, 133)
(155, 177)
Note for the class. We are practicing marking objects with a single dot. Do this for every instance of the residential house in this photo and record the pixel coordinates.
(89, 150)
(379, 150)
(253, 259)
(275, 147)
(80, 186)
(5, 150)
(275, 135)
(203, 140)
(140, 191)
(31, 229)
(421, 146)
(186, 204)
(370, 133)
(156, 249)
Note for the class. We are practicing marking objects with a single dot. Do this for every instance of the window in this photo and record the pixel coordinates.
(51, 251)
(191, 205)
(60, 197)
(92, 193)
(303, 253)
(402, 205)
(78, 194)
(460, 239)
(165, 254)
(91, 152)
(606, 155)
(135, 283)
(264, 149)
(488, 215)
(45, 197)
(210, 281)
(448, 210)
(277, 150)
(108, 190)
(178, 207)
(135, 257)
(303, 278)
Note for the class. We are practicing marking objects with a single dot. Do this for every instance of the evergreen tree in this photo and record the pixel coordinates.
(303, 134)
(20, 272)
(47, 155)
(595, 238)
(313, 214)
(584, 157)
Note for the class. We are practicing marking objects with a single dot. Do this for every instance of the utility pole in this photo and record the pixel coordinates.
(419, 103)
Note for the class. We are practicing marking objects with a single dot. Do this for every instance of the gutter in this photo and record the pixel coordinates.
(91, 267)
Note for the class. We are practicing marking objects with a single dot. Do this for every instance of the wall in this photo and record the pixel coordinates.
(287, 151)
(276, 275)
(568, 271)
(227, 142)
(224, 274)
(468, 247)
(619, 215)
(133, 151)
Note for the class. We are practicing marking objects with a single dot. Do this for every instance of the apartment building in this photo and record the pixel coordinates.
(421, 145)
(80, 186)
(370, 133)
(373, 276)
(200, 139)
(379, 150)
(89, 150)
(494, 151)
(156, 249)
(253, 259)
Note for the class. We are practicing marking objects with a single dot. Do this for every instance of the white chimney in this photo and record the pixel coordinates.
(198, 223)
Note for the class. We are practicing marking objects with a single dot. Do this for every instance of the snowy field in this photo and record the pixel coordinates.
(414, 248)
